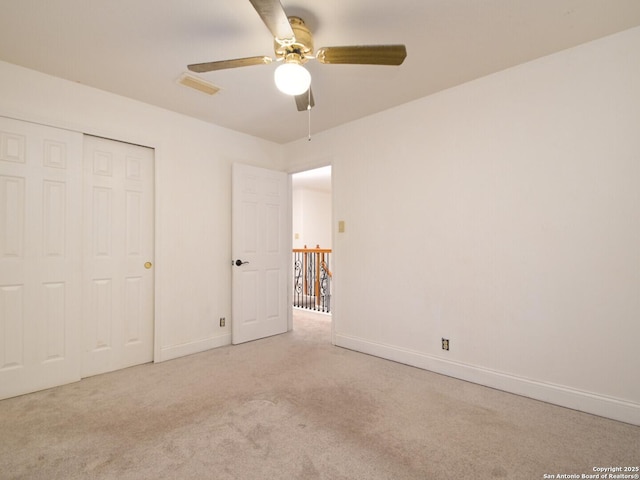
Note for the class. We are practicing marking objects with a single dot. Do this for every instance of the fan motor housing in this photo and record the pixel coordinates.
(302, 45)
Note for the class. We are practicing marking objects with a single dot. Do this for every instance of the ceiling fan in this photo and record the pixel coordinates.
(293, 45)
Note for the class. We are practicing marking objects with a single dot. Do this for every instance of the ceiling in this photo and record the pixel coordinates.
(140, 48)
(318, 179)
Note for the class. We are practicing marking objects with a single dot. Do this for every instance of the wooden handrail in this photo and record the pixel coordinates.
(311, 250)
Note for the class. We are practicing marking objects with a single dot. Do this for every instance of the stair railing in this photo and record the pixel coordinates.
(312, 278)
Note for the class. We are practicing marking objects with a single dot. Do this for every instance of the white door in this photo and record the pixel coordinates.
(118, 242)
(40, 256)
(261, 251)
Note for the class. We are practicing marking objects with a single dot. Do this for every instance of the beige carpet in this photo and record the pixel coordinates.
(295, 407)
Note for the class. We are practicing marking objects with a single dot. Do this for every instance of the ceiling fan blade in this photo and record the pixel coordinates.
(223, 64)
(304, 100)
(363, 54)
(274, 17)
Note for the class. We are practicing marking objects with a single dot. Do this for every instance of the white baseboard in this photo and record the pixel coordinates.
(175, 351)
(600, 405)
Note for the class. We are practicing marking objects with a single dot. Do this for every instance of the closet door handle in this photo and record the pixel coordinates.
(240, 262)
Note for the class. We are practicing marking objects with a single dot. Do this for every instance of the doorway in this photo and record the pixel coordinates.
(312, 241)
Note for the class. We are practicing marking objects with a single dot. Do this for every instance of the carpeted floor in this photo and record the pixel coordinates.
(295, 407)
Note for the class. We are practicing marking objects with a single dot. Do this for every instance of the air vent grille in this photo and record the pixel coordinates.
(198, 84)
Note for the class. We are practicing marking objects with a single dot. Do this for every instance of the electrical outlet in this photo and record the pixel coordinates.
(223, 321)
(445, 344)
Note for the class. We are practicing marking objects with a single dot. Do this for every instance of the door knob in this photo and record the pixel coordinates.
(148, 265)
(240, 262)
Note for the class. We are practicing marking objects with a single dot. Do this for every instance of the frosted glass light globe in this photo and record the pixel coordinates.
(292, 79)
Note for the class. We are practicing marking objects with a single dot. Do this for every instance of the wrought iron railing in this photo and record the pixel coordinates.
(312, 278)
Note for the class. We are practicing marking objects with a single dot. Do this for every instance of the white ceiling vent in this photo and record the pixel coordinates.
(197, 83)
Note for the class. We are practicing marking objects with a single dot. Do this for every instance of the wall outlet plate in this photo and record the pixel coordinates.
(223, 321)
(445, 344)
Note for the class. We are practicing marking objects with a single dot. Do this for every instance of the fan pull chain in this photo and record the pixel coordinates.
(309, 110)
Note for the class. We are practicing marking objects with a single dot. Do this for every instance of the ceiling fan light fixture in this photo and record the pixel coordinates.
(292, 78)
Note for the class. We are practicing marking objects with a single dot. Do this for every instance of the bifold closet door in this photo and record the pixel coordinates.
(118, 255)
(40, 256)
(76, 256)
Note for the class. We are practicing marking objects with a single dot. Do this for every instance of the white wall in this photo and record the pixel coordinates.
(311, 218)
(503, 214)
(193, 194)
